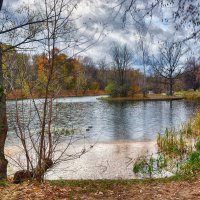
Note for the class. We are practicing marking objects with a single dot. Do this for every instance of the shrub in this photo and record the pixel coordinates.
(111, 89)
(197, 146)
(191, 95)
(196, 125)
(115, 90)
(192, 166)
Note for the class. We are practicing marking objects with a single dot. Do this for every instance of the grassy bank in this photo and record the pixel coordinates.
(169, 188)
(189, 95)
(139, 97)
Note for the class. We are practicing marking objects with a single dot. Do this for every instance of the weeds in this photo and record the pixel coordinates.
(178, 153)
(189, 95)
(150, 166)
(173, 144)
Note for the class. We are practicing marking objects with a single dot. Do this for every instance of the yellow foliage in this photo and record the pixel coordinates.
(196, 124)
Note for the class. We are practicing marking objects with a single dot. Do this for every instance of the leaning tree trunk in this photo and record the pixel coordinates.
(3, 124)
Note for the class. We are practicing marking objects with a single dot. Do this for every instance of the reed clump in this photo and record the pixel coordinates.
(178, 152)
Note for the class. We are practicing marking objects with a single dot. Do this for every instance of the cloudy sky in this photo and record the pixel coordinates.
(99, 19)
(160, 27)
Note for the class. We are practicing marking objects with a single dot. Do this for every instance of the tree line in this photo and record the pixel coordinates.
(166, 73)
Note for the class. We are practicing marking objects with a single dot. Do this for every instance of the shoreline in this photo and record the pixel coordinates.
(111, 160)
(19, 95)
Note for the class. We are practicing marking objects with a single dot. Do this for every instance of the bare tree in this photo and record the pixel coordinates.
(122, 57)
(168, 63)
(192, 74)
(48, 24)
(43, 150)
(103, 72)
(143, 52)
(184, 13)
(14, 30)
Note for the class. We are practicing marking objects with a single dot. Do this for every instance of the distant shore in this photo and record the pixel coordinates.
(19, 94)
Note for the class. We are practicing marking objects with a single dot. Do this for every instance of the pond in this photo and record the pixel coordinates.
(122, 131)
(112, 121)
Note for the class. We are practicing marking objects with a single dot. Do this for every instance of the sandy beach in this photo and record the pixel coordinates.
(112, 160)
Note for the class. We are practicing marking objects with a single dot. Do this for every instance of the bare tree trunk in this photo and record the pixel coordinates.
(144, 90)
(171, 87)
(3, 124)
(1, 3)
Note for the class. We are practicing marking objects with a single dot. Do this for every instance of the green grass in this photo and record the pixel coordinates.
(104, 98)
(189, 95)
(103, 185)
(3, 183)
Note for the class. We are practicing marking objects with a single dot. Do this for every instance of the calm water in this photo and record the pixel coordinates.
(136, 121)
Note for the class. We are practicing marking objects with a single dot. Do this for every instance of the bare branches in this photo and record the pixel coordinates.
(23, 25)
(168, 64)
(179, 13)
(42, 146)
(122, 57)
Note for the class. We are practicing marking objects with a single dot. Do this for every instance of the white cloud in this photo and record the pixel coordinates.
(97, 16)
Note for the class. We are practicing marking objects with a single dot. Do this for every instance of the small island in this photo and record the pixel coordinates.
(140, 97)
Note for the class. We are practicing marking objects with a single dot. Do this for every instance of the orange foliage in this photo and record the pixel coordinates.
(41, 62)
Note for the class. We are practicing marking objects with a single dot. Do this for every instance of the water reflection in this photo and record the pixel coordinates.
(111, 121)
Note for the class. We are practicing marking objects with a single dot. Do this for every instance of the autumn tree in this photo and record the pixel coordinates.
(136, 80)
(43, 145)
(79, 77)
(91, 73)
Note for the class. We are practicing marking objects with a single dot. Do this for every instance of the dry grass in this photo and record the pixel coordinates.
(19, 94)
